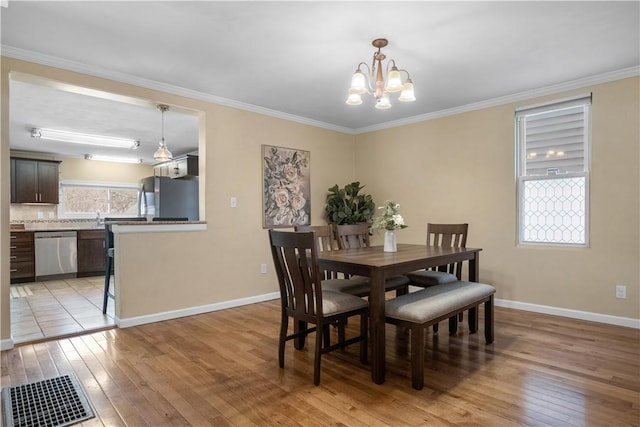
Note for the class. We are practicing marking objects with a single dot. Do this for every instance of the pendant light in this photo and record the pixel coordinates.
(162, 153)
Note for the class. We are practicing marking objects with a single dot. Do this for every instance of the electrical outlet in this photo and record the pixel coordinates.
(621, 291)
(263, 268)
(52, 215)
(40, 215)
(233, 202)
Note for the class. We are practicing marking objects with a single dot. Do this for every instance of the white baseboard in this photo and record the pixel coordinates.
(566, 312)
(174, 314)
(6, 344)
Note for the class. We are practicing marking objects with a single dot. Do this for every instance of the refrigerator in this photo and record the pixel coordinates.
(164, 197)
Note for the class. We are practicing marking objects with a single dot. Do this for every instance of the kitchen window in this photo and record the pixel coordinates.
(85, 199)
(553, 172)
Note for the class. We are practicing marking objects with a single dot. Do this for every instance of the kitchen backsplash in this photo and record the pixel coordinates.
(45, 216)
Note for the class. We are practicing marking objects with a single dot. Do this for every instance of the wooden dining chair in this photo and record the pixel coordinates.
(357, 236)
(334, 280)
(442, 235)
(302, 298)
(109, 256)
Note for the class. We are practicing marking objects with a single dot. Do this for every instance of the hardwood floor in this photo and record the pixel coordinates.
(221, 368)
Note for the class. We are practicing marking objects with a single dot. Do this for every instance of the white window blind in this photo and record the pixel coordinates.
(553, 172)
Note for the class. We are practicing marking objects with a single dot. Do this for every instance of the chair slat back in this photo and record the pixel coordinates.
(448, 235)
(325, 241)
(352, 235)
(296, 263)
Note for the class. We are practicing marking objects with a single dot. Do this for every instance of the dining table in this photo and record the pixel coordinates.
(376, 264)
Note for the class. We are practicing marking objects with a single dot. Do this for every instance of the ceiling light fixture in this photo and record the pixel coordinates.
(112, 158)
(384, 84)
(163, 153)
(84, 138)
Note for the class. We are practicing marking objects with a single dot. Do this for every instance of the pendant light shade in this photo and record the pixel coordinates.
(162, 153)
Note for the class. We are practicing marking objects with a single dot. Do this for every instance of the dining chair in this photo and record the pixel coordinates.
(332, 281)
(357, 236)
(108, 240)
(302, 298)
(442, 235)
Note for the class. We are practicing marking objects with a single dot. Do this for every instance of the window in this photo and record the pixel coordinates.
(85, 199)
(553, 172)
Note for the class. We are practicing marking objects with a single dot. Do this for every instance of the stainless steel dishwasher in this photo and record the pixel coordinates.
(56, 253)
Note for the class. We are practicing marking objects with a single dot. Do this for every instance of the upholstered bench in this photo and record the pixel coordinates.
(419, 310)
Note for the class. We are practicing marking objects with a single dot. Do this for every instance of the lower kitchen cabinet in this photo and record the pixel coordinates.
(22, 265)
(91, 252)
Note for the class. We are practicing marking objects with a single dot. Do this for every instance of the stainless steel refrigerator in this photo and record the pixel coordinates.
(164, 197)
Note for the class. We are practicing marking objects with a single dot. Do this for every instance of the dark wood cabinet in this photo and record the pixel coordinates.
(34, 181)
(22, 265)
(179, 167)
(91, 252)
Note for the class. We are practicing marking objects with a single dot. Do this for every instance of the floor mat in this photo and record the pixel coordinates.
(59, 401)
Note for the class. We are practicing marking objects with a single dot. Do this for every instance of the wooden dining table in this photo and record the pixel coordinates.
(376, 264)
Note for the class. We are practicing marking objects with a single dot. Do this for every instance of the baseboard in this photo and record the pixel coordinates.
(566, 312)
(6, 344)
(174, 314)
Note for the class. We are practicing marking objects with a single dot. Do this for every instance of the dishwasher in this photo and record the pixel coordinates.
(56, 253)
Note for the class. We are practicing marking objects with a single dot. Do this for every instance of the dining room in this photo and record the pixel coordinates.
(198, 311)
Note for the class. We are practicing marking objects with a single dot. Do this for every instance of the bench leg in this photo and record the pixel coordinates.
(488, 320)
(473, 320)
(453, 325)
(417, 357)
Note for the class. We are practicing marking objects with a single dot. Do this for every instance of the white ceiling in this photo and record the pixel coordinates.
(295, 59)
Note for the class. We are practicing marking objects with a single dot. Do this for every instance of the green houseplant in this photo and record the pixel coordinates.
(347, 206)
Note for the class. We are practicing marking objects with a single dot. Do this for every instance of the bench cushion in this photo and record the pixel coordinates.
(436, 301)
(430, 277)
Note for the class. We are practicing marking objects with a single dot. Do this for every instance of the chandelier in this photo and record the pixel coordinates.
(163, 153)
(362, 83)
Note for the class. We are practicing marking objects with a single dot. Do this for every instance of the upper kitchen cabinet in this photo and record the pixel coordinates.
(179, 167)
(34, 181)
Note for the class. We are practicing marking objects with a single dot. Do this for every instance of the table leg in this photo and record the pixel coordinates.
(474, 268)
(376, 314)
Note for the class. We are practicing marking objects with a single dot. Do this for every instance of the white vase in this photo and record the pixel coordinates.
(390, 241)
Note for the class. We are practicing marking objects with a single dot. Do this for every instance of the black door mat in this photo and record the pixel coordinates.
(59, 401)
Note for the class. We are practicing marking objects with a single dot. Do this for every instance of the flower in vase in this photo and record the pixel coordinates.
(390, 218)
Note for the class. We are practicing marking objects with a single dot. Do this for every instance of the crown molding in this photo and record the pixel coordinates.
(52, 61)
(507, 99)
(38, 58)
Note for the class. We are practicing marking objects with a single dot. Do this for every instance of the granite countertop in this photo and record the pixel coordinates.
(79, 225)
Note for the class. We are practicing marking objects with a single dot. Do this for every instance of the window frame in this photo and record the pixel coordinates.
(95, 184)
(584, 100)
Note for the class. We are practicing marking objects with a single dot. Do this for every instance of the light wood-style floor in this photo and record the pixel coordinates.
(221, 369)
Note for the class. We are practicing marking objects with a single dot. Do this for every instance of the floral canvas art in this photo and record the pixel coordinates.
(286, 187)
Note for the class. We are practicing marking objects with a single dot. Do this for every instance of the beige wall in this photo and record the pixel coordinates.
(178, 270)
(461, 169)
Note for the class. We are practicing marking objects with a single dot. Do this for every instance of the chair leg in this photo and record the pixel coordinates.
(488, 320)
(327, 336)
(417, 357)
(284, 326)
(318, 355)
(473, 320)
(453, 325)
(299, 325)
(342, 332)
(402, 290)
(435, 328)
(107, 282)
(461, 316)
(364, 333)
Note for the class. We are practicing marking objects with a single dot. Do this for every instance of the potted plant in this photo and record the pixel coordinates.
(347, 206)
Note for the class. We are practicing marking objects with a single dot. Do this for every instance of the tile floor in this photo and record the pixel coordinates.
(47, 309)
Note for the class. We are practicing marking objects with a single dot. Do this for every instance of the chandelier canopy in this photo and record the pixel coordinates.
(388, 82)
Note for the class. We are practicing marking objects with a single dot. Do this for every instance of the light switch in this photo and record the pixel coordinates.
(233, 202)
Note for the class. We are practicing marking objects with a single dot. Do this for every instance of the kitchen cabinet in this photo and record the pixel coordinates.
(91, 252)
(34, 181)
(22, 264)
(179, 167)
